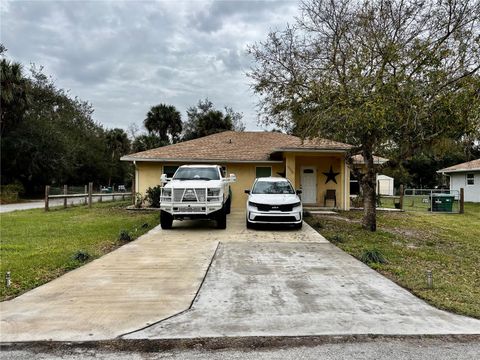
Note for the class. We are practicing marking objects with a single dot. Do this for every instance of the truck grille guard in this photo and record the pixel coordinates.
(188, 196)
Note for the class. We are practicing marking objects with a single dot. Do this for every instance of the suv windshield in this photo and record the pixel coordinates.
(272, 187)
(196, 173)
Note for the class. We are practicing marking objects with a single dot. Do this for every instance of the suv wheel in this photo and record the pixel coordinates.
(166, 220)
(221, 218)
(298, 226)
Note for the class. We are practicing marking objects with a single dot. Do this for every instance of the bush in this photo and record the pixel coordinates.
(81, 256)
(11, 192)
(374, 256)
(138, 200)
(124, 236)
(153, 196)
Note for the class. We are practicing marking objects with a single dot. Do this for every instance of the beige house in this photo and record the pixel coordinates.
(314, 166)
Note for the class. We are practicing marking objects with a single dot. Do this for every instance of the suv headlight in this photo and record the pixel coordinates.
(213, 192)
(251, 203)
(166, 192)
(296, 204)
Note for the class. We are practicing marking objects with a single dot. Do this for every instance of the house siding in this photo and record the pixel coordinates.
(149, 176)
(459, 180)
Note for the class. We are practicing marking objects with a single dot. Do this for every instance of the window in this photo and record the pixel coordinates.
(224, 171)
(470, 179)
(263, 171)
(169, 170)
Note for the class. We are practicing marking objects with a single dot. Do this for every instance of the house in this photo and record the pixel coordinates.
(467, 176)
(314, 166)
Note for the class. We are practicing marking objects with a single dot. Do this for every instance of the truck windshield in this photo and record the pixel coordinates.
(196, 173)
(272, 187)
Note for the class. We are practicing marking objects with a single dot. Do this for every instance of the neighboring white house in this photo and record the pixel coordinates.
(384, 185)
(467, 176)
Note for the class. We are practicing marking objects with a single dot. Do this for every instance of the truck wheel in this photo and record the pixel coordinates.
(166, 220)
(228, 205)
(221, 218)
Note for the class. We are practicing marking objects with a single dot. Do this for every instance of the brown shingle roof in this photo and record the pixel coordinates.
(235, 146)
(466, 166)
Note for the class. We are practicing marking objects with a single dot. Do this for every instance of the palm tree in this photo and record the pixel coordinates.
(14, 99)
(164, 121)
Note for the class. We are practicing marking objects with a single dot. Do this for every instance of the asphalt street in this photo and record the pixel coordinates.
(411, 349)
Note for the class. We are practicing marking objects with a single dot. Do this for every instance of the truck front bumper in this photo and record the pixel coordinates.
(189, 209)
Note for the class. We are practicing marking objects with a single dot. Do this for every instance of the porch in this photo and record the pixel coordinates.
(323, 177)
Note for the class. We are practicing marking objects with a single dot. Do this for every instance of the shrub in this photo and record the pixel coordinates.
(81, 256)
(138, 200)
(153, 196)
(124, 236)
(11, 192)
(373, 256)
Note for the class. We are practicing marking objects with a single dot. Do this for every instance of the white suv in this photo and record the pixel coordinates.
(272, 201)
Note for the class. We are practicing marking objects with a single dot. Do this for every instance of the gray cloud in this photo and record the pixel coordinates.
(126, 56)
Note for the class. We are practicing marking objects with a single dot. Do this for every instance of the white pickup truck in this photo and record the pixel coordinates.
(196, 192)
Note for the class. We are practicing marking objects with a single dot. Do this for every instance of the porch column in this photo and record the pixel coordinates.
(290, 168)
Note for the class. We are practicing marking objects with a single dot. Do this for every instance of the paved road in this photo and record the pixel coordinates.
(386, 349)
(40, 204)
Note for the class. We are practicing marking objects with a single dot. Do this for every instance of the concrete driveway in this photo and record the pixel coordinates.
(265, 282)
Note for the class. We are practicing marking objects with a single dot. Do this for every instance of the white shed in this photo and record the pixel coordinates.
(466, 176)
(384, 185)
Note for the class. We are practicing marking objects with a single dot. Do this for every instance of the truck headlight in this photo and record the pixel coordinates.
(213, 192)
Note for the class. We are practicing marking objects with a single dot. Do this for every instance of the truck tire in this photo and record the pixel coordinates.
(228, 205)
(166, 220)
(221, 218)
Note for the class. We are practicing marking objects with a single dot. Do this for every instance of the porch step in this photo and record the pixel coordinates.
(316, 210)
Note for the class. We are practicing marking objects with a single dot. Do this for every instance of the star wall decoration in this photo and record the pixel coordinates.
(331, 175)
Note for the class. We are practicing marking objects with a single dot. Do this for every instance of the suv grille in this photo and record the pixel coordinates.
(263, 207)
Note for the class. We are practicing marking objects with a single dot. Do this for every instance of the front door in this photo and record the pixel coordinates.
(309, 185)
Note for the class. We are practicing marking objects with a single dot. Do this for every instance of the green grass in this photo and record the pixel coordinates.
(414, 242)
(38, 246)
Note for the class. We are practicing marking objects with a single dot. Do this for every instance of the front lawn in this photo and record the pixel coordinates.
(38, 246)
(414, 242)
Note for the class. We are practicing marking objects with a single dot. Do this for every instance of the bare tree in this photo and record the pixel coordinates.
(387, 76)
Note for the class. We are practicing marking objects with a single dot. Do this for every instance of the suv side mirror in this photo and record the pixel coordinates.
(247, 191)
(233, 178)
(298, 192)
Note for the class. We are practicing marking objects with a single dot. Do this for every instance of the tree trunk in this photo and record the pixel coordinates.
(369, 221)
(369, 186)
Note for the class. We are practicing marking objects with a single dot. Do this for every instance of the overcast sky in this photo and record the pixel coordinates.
(126, 56)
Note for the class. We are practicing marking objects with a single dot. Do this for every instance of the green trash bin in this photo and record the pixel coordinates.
(442, 202)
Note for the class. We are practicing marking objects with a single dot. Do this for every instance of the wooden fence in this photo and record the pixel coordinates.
(88, 196)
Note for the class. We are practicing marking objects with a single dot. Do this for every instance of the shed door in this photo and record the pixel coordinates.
(309, 185)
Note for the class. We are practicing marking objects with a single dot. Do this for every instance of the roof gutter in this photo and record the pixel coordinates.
(200, 161)
(457, 171)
